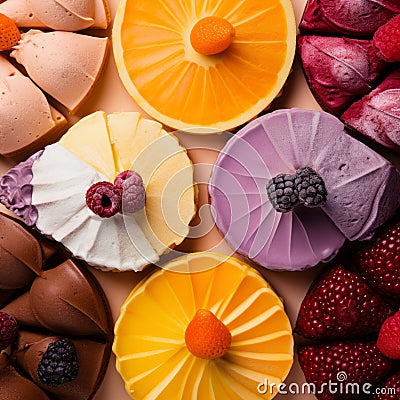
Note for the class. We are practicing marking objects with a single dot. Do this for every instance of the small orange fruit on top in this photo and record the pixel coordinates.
(212, 35)
(206, 336)
(9, 33)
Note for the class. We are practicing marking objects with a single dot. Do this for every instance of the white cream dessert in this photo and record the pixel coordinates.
(66, 15)
(73, 188)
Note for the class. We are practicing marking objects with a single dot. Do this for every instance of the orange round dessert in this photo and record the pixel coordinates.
(204, 64)
(206, 326)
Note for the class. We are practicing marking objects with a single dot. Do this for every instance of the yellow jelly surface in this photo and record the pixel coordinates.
(150, 348)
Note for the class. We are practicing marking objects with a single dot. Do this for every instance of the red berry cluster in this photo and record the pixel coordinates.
(350, 313)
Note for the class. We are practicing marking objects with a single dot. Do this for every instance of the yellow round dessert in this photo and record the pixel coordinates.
(192, 64)
(80, 198)
(202, 293)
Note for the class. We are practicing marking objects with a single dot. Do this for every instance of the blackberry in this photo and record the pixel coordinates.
(310, 187)
(282, 192)
(59, 363)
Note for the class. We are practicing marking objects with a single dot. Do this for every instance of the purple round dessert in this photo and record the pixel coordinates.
(291, 186)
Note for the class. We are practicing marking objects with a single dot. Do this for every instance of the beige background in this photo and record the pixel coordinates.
(109, 95)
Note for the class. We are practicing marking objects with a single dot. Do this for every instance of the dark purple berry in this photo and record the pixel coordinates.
(59, 363)
(8, 329)
(282, 192)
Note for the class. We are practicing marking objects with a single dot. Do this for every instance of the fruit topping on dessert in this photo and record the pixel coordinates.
(340, 306)
(290, 186)
(75, 190)
(305, 187)
(211, 35)
(8, 330)
(59, 363)
(205, 326)
(222, 62)
(377, 114)
(378, 261)
(9, 33)
(389, 337)
(339, 69)
(104, 199)
(387, 40)
(71, 15)
(206, 336)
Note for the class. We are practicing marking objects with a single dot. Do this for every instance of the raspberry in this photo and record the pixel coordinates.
(8, 329)
(122, 177)
(379, 259)
(341, 306)
(310, 187)
(282, 192)
(387, 40)
(358, 362)
(104, 199)
(133, 192)
(389, 337)
(59, 363)
(392, 389)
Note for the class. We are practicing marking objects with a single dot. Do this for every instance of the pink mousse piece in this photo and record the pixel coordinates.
(377, 115)
(363, 189)
(338, 69)
(350, 17)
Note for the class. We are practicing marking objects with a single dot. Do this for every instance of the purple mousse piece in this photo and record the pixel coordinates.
(338, 70)
(363, 189)
(377, 115)
(16, 190)
(350, 17)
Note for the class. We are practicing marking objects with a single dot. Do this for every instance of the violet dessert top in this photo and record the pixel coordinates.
(338, 188)
(339, 69)
(377, 115)
(16, 190)
(353, 18)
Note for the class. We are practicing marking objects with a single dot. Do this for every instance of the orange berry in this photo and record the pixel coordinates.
(9, 33)
(206, 336)
(212, 35)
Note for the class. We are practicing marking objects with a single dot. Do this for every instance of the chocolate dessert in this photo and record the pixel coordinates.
(55, 317)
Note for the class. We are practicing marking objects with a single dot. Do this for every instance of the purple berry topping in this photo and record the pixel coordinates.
(305, 186)
(133, 192)
(104, 199)
(122, 177)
